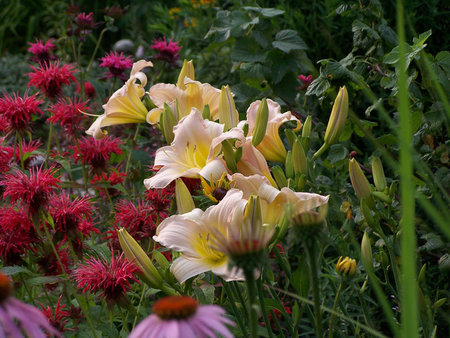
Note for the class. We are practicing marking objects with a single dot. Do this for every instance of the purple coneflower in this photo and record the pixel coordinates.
(182, 316)
(17, 318)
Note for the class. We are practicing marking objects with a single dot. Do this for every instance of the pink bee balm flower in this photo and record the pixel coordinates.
(111, 278)
(18, 318)
(306, 81)
(89, 89)
(182, 316)
(50, 77)
(167, 51)
(17, 111)
(117, 64)
(41, 51)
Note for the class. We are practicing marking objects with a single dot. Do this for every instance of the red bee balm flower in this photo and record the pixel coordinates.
(18, 111)
(17, 233)
(167, 51)
(68, 112)
(34, 190)
(58, 319)
(96, 152)
(117, 64)
(138, 219)
(49, 78)
(68, 216)
(89, 89)
(42, 51)
(112, 278)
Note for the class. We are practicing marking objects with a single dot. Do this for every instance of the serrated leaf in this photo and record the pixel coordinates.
(318, 86)
(245, 50)
(287, 40)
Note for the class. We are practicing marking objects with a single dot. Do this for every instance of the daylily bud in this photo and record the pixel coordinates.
(206, 113)
(289, 165)
(422, 272)
(183, 197)
(338, 117)
(167, 122)
(359, 181)
(366, 251)
(378, 174)
(290, 136)
(439, 303)
(279, 176)
(306, 130)
(336, 122)
(346, 266)
(228, 155)
(134, 253)
(262, 117)
(228, 115)
(186, 71)
(300, 180)
(381, 196)
(299, 158)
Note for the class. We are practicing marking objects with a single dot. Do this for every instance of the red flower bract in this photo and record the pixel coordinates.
(68, 113)
(18, 111)
(34, 189)
(96, 152)
(117, 64)
(167, 51)
(49, 77)
(111, 278)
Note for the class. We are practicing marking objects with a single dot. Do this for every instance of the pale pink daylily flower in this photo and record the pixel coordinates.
(271, 146)
(253, 162)
(125, 105)
(194, 151)
(191, 234)
(273, 200)
(181, 101)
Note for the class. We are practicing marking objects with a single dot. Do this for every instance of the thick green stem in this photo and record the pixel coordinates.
(251, 292)
(315, 286)
(330, 329)
(49, 144)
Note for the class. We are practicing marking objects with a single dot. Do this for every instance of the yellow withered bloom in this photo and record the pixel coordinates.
(125, 105)
(271, 146)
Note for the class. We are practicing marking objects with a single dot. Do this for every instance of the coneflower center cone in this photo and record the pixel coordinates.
(175, 307)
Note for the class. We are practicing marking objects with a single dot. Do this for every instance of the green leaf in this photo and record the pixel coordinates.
(14, 270)
(281, 64)
(267, 12)
(337, 153)
(44, 280)
(318, 86)
(246, 50)
(287, 40)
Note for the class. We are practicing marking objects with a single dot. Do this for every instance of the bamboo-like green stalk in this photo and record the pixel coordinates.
(408, 296)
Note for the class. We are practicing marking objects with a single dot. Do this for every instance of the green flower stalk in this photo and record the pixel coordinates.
(336, 122)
